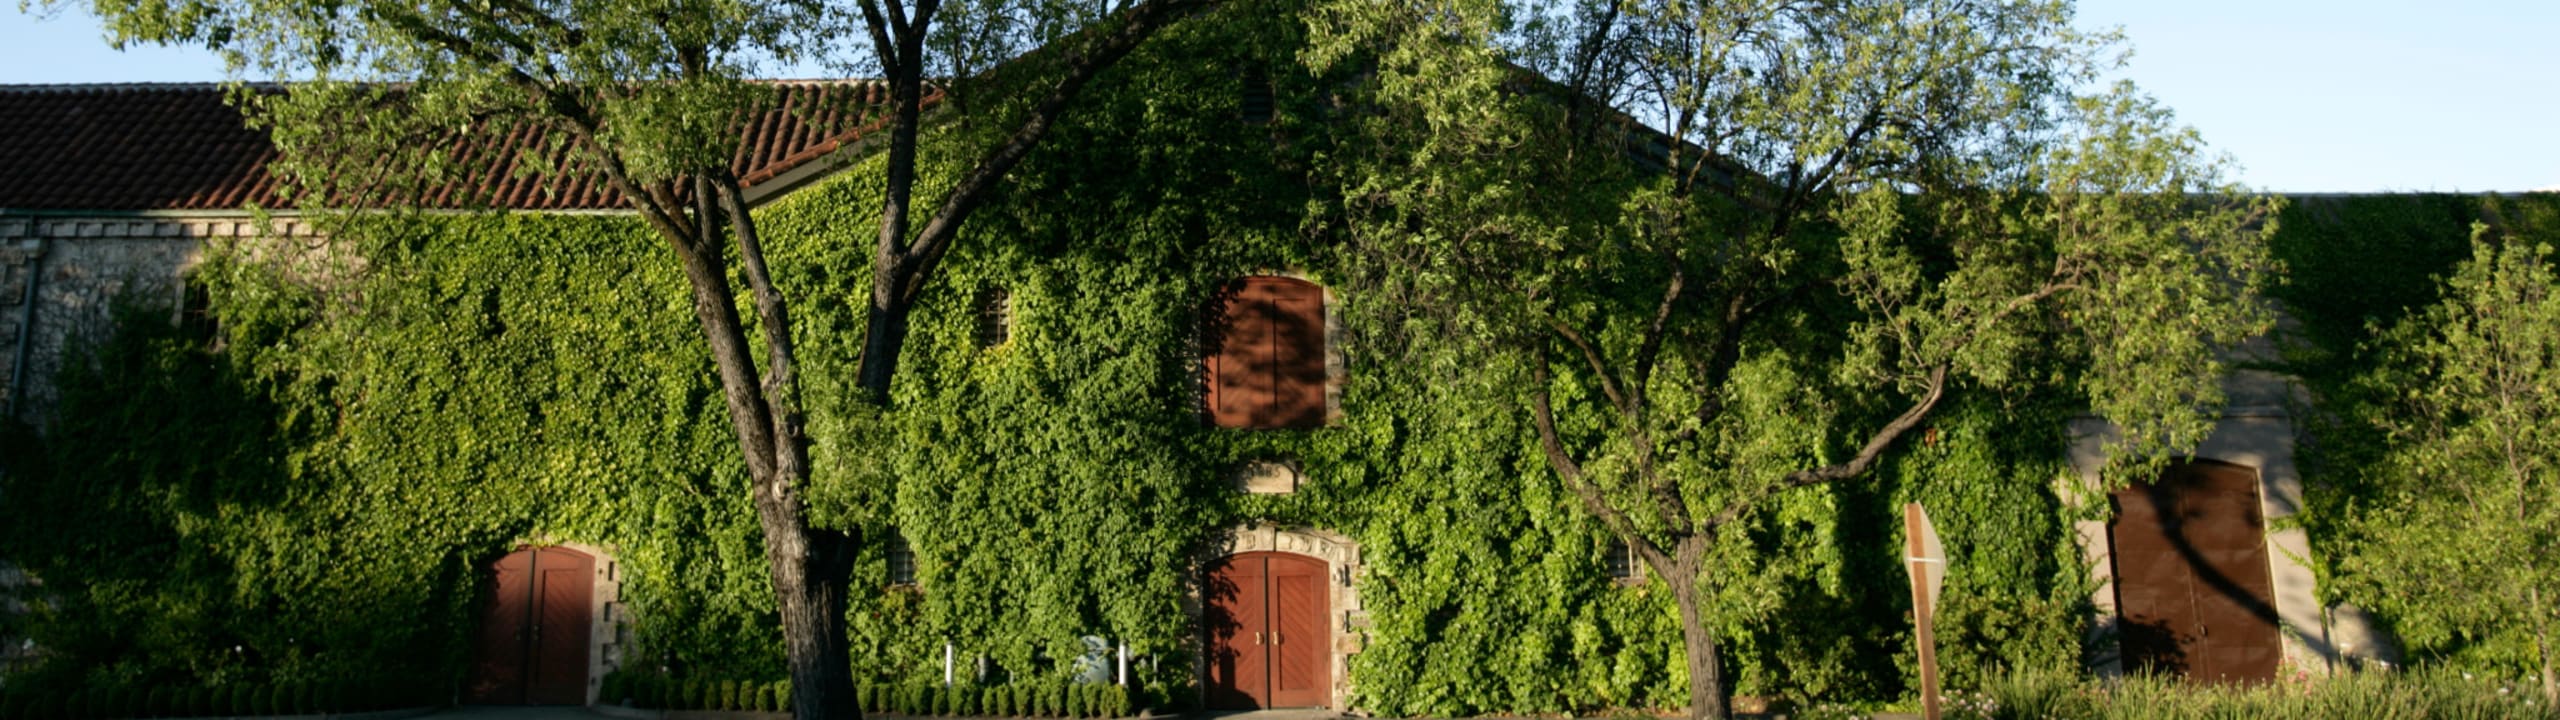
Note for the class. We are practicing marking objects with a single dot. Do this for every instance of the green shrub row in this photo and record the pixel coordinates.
(216, 701)
(651, 690)
(1050, 699)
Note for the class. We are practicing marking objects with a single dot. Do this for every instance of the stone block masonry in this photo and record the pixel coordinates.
(62, 277)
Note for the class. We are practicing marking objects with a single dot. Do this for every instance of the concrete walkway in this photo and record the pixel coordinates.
(571, 712)
(515, 712)
(1283, 714)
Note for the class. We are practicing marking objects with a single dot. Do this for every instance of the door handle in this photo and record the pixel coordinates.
(1257, 637)
(1275, 637)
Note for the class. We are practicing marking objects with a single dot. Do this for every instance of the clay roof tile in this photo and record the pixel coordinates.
(182, 147)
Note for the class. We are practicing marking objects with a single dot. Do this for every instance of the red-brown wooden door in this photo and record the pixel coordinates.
(2193, 584)
(1267, 632)
(1266, 365)
(534, 629)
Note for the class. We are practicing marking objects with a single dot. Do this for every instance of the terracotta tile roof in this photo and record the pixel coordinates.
(180, 147)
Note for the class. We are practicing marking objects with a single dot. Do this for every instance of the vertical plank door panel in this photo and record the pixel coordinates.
(2235, 586)
(1240, 372)
(561, 634)
(2193, 583)
(2152, 594)
(1300, 664)
(1297, 361)
(1234, 618)
(505, 628)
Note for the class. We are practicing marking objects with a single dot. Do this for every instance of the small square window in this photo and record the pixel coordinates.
(902, 560)
(1254, 105)
(1620, 559)
(995, 317)
(196, 318)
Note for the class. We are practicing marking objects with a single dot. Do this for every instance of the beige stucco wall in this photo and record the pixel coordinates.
(2256, 431)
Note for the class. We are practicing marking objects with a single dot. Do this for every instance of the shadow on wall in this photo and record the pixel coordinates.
(177, 539)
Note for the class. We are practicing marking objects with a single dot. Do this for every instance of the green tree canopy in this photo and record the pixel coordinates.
(2453, 541)
(1729, 249)
(645, 94)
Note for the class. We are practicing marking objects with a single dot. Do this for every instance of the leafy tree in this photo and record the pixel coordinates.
(2457, 532)
(643, 95)
(1850, 211)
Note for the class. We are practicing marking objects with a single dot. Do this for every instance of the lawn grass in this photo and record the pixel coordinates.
(2413, 695)
(2432, 694)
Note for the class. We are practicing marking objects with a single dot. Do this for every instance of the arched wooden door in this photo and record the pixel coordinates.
(1267, 633)
(534, 629)
(2193, 584)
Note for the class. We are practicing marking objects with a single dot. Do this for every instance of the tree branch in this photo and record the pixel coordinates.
(935, 239)
(1718, 369)
(1651, 348)
(1599, 367)
(872, 18)
(1542, 415)
(1910, 417)
(781, 381)
(901, 24)
(1857, 464)
(660, 212)
(1578, 98)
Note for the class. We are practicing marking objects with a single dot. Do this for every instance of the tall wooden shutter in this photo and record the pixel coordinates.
(1268, 366)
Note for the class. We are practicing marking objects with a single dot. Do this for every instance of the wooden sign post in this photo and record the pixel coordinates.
(1927, 562)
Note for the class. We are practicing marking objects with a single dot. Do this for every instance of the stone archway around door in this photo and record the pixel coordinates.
(1294, 587)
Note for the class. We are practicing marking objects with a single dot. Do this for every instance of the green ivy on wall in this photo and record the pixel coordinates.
(315, 492)
(330, 474)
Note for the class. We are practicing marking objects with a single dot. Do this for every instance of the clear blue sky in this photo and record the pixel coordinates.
(2340, 96)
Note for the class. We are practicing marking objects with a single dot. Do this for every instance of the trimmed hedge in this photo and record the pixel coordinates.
(182, 701)
(919, 699)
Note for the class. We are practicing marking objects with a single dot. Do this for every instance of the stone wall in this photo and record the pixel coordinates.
(15, 652)
(80, 269)
(19, 258)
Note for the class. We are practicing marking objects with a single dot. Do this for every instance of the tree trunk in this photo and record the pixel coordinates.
(884, 335)
(2542, 645)
(810, 578)
(809, 567)
(1707, 699)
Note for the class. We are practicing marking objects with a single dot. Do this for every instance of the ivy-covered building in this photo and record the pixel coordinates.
(1133, 418)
